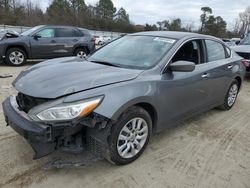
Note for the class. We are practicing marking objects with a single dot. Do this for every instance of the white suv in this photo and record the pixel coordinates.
(101, 39)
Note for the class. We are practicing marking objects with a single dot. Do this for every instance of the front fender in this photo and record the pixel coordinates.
(124, 105)
(118, 97)
(18, 43)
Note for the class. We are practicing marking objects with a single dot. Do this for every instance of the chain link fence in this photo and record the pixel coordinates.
(21, 29)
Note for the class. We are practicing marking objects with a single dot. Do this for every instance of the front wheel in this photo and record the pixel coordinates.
(16, 57)
(231, 96)
(130, 136)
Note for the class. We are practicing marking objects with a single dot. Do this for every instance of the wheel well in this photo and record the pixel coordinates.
(239, 80)
(17, 46)
(82, 47)
(151, 110)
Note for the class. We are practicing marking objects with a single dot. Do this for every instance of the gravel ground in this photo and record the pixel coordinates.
(209, 150)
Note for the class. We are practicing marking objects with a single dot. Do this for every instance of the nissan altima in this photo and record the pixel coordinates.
(114, 100)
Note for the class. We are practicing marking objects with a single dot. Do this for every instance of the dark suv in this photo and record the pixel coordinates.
(44, 42)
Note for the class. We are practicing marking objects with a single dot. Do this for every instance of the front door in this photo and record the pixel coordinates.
(44, 44)
(184, 93)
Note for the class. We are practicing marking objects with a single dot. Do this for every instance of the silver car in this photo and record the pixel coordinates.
(243, 50)
(114, 100)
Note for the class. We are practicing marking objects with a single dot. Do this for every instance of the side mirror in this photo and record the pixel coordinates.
(237, 42)
(182, 66)
(37, 36)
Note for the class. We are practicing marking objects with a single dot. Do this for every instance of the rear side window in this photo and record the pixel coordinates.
(215, 50)
(46, 33)
(67, 32)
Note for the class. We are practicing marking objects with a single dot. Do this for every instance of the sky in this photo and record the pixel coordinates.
(145, 11)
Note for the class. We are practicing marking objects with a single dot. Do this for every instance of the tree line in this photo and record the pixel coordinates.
(210, 25)
(105, 16)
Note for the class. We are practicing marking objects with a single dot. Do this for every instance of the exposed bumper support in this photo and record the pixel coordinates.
(38, 135)
(44, 138)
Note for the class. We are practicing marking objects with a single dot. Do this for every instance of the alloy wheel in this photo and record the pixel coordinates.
(132, 138)
(16, 57)
(232, 95)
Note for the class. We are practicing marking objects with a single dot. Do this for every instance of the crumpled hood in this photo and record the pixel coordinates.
(62, 76)
(241, 48)
(8, 34)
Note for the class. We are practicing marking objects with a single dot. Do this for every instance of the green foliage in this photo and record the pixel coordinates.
(105, 16)
(122, 16)
(173, 25)
(105, 10)
(59, 12)
(206, 11)
(149, 27)
(11, 12)
(212, 25)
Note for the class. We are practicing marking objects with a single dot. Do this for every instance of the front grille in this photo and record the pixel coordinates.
(26, 102)
(244, 55)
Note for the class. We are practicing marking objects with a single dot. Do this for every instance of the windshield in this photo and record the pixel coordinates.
(30, 31)
(139, 52)
(245, 41)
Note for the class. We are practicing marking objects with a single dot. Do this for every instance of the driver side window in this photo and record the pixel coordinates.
(190, 51)
(46, 33)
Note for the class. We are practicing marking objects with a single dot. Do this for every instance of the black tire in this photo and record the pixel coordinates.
(22, 60)
(226, 106)
(78, 50)
(132, 113)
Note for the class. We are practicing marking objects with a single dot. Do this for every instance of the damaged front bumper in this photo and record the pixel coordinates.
(38, 135)
(46, 138)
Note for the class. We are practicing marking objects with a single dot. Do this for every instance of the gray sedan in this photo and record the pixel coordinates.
(113, 101)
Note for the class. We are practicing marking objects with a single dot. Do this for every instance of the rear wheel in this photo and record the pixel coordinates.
(15, 57)
(231, 96)
(81, 52)
(130, 136)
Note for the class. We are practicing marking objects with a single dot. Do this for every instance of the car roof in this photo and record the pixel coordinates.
(172, 34)
(66, 26)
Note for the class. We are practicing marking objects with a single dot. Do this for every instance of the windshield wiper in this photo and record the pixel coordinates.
(105, 63)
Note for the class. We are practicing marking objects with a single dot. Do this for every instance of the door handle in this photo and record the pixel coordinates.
(52, 41)
(205, 75)
(229, 66)
(75, 40)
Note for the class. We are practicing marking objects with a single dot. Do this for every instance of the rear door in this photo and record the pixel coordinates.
(185, 93)
(219, 66)
(45, 44)
(68, 38)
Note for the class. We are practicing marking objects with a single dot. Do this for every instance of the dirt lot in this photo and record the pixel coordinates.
(211, 150)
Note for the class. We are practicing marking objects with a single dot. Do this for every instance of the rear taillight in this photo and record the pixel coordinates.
(93, 39)
(245, 63)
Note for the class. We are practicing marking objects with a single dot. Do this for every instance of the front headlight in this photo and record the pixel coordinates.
(69, 111)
